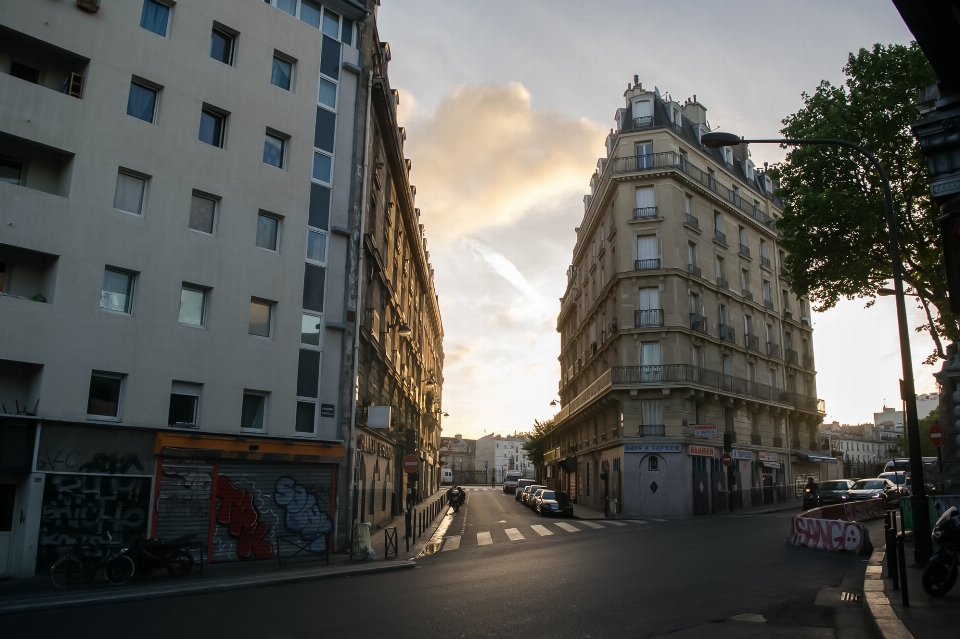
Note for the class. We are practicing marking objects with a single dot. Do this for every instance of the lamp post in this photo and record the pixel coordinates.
(921, 518)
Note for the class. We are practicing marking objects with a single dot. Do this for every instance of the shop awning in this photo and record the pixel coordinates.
(220, 447)
(817, 459)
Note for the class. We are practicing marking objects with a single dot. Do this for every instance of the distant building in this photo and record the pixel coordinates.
(926, 403)
(457, 453)
(889, 423)
(502, 453)
(857, 443)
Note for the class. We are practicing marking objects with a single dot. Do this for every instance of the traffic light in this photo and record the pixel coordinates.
(950, 239)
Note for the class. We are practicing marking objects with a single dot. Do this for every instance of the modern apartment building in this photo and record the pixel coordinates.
(181, 215)
(676, 327)
(496, 454)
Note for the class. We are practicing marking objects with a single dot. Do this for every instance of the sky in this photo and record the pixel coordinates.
(506, 105)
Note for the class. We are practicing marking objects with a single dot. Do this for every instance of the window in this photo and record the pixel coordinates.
(328, 93)
(717, 221)
(11, 171)
(184, 405)
(316, 246)
(331, 24)
(282, 73)
(268, 232)
(253, 413)
(651, 412)
(129, 194)
(212, 126)
(692, 254)
(644, 155)
(193, 305)
(222, 44)
(310, 13)
(322, 166)
(142, 102)
(202, 213)
(646, 202)
(305, 417)
(273, 150)
(743, 236)
(653, 464)
(155, 17)
(261, 317)
(117, 291)
(103, 400)
(24, 72)
(688, 205)
(289, 6)
(310, 330)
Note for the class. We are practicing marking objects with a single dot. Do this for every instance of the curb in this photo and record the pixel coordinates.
(178, 590)
(881, 612)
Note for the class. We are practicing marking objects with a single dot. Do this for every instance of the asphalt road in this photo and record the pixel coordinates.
(722, 576)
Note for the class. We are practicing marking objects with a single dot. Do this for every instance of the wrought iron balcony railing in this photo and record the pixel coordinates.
(720, 236)
(747, 295)
(651, 430)
(648, 265)
(698, 322)
(722, 283)
(648, 317)
(728, 333)
(768, 304)
(755, 439)
(752, 342)
(773, 350)
(744, 250)
(693, 270)
(644, 212)
(691, 221)
(765, 261)
(791, 356)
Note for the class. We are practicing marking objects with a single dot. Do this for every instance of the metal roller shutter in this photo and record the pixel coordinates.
(184, 499)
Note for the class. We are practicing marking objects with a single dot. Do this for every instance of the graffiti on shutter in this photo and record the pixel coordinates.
(183, 504)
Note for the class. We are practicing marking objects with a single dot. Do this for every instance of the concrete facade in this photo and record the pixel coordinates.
(677, 329)
(500, 453)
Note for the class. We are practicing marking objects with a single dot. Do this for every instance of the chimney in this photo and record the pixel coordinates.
(695, 112)
(636, 80)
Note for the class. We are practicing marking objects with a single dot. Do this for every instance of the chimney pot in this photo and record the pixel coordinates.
(694, 97)
(636, 80)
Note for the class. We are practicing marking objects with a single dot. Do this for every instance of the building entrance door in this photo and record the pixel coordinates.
(701, 486)
(8, 493)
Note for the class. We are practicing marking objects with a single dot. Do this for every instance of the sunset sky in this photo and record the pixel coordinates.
(506, 105)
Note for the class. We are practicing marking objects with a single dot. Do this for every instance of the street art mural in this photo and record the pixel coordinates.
(302, 514)
(80, 510)
(243, 521)
(832, 535)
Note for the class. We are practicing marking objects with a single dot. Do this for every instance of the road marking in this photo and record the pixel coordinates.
(660, 520)
(636, 521)
(513, 534)
(452, 543)
(543, 531)
(567, 527)
(592, 524)
(484, 539)
(616, 523)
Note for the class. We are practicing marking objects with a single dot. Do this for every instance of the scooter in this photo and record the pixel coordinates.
(941, 572)
(150, 555)
(811, 498)
(457, 500)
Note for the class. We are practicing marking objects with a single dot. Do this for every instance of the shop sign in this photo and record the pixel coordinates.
(652, 448)
(368, 444)
(741, 454)
(704, 430)
(701, 451)
(770, 457)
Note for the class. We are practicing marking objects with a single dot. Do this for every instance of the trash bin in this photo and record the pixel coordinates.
(361, 540)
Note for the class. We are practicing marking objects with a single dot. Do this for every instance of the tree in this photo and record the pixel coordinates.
(927, 449)
(534, 444)
(833, 222)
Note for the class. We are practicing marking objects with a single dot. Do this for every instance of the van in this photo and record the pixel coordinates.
(447, 476)
(510, 481)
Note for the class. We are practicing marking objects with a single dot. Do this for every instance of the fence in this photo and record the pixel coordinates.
(473, 476)
(859, 470)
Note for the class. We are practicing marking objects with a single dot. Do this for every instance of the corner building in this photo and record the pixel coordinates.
(177, 188)
(676, 328)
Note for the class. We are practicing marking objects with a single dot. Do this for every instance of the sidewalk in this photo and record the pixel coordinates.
(926, 617)
(583, 512)
(37, 593)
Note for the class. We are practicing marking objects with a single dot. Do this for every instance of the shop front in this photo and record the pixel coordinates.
(375, 499)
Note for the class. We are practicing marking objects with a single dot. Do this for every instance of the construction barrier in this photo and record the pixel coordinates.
(837, 528)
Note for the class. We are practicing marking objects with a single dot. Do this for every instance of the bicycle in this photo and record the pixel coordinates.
(71, 568)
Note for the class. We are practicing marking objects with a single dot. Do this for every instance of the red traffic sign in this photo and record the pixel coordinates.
(411, 464)
(727, 459)
(936, 435)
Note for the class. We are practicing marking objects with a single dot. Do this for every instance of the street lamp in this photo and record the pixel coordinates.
(921, 518)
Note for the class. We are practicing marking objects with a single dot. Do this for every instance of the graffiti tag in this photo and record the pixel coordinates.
(831, 535)
(302, 514)
(237, 512)
(104, 463)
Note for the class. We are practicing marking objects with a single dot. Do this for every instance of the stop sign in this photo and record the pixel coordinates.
(936, 435)
(411, 464)
(727, 459)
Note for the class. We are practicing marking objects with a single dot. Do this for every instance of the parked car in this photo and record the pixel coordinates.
(523, 483)
(877, 488)
(528, 491)
(534, 496)
(510, 481)
(554, 502)
(832, 492)
(901, 478)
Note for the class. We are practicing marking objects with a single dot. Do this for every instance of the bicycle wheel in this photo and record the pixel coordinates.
(180, 564)
(119, 570)
(66, 572)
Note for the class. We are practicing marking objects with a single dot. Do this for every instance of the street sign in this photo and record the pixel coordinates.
(411, 464)
(727, 459)
(936, 435)
(485, 465)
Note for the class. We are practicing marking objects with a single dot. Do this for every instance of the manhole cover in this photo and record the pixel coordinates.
(849, 596)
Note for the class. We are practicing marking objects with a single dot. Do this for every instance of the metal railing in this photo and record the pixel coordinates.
(647, 265)
(777, 442)
(791, 356)
(644, 212)
(698, 322)
(752, 342)
(671, 159)
(747, 295)
(651, 430)
(765, 261)
(773, 350)
(693, 270)
(648, 317)
(690, 220)
(722, 283)
(744, 250)
(808, 361)
(755, 439)
(768, 304)
(728, 333)
(720, 236)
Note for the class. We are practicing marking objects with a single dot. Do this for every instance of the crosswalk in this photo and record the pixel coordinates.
(534, 531)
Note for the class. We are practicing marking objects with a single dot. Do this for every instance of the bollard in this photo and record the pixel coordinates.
(902, 560)
(891, 543)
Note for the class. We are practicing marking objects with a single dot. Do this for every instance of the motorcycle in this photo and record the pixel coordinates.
(457, 499)
(811, 498)
(941, 572)
(150, 555)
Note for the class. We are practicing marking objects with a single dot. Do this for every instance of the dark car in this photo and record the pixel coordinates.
(528, 493)
(832, 492)
(533, 496)
(523, 483)
(877, 488)
(554, 502)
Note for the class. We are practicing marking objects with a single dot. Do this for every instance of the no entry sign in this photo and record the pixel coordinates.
(727, 459)
(936, 435)
(411, 464)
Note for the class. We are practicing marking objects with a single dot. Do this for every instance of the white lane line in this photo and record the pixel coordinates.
(636, 521)
(484, 539)
(513, 534)
(616, 523)
(592, 524)
(660, 520)
(451, 543)
(541, 530)
(567, 527)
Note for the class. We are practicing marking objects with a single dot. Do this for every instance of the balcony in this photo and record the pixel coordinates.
(768, 304)
(778, 442)
(647, 265)
(755, 439)
(20, 384)
(38, 62)
(36, 166)
(728, 333)
(773, 350)
(747, 295)
(26, 274)
(651, 430)
(752, 342)
(648, 318)
(698, 322)
(693, 270)
(613, 327)
(744, 250)
(795, 444)
(791, 356)
(720, 236)
(722, 283)
(645, 213)
(691, 221)
(808, 361)
(764, 261)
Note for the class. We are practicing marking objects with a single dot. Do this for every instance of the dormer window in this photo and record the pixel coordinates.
(728, 155)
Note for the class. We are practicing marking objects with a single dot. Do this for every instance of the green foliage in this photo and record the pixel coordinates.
(534, 445)
(926, 448)
(833, 223)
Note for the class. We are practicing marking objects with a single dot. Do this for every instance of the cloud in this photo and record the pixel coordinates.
(486, 157)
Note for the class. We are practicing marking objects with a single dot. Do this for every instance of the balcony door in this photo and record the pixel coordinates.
(649, 305)
(644, 155)
(642, 113)
(648, 253)
(650, 370)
